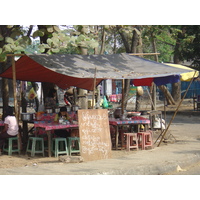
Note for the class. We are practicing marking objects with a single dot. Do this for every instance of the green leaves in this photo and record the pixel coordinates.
(1, 38)
(39, 33)
(3, 57)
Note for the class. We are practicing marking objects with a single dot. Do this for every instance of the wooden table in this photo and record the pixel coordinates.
(49, 126)
(136, 120)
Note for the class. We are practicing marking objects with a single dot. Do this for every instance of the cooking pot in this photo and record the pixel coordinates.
(75, 108)
(27, 116)
(68, 108)
(57, 110)
(118, 113)
(49, 110)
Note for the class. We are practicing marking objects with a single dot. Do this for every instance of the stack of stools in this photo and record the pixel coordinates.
(59, 146)
(145, 139)
(73, 145)
(35, 145)
(131, 141)
(12, 145)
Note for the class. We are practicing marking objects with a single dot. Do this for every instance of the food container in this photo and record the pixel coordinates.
(136, 113)
(75, 108)
(27, 116)
(131, 114)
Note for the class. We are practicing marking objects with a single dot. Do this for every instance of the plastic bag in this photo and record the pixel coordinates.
(32, 94)
(105, 102)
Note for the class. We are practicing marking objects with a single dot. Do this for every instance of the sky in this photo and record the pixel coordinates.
(103, 12)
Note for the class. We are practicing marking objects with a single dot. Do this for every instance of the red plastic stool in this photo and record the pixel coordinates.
(131, 141)
(145, 139)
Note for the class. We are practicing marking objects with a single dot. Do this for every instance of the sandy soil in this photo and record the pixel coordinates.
(25, 160)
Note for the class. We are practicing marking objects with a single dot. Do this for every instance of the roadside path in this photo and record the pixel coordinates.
(160, 160)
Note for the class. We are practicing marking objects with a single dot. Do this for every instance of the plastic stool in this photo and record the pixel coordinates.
(145, 139)
(73, 145)
(59, 146)
(10, 147)
(131, 141)
(35, 145)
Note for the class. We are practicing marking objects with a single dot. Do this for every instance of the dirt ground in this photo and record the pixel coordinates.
(25, 160)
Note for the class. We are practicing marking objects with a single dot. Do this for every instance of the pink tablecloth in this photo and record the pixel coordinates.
(1, 123)
(134, 120)
(52, 126)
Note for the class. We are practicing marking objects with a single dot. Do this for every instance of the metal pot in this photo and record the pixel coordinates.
(49, 110)
(75, 108)
(68, 108)
(27, 116)
(118, 113)
(57, 110)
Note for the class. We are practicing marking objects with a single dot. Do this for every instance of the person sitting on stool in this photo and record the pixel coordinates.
(10, 129)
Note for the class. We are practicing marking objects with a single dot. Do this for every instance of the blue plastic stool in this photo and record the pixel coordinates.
(35, 145)
(13, 145)
(73, 145)
(59, 146)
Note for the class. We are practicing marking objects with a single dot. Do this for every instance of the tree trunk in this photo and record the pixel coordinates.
(81, 92)
(96, 49)
(115, 44)
(5, 32)
(125, 40)
(169, 98)
(176, 91)
(103, 41)
(176, 87)
(45, 86)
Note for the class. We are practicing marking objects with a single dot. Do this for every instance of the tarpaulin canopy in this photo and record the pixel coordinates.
(78, 70)
(186, 76)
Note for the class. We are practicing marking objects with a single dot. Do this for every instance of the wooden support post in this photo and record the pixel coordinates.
(164, 133)
(123, 96)
(94, 86)
(14, 88)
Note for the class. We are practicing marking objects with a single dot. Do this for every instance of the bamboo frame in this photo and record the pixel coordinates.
(94, 86)
(143, 54)
(14, 84)
(164, 133)
(14, 88)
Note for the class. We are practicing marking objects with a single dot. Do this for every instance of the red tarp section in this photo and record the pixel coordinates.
(143, 82)
(29, 70)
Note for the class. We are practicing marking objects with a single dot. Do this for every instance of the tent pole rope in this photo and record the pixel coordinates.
(176, 110)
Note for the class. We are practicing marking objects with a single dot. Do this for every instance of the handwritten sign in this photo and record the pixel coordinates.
(94, 134)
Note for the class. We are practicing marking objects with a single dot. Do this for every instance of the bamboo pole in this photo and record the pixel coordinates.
(14, 88)
(143, 54)
(123, 96)
(94, 86)
(163, 135)
(15, 54)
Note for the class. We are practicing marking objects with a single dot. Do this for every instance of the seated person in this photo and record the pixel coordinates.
(64, 115)
(10, 127)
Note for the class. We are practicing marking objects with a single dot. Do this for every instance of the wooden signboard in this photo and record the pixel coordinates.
(94, 134)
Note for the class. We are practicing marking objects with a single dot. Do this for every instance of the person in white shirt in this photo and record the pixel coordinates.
(10, 127)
